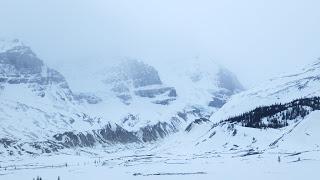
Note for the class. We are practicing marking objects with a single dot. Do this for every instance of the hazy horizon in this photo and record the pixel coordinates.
(243, 36)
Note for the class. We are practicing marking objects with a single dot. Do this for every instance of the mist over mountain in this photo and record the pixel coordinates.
(243, 36)
(198, 106)
(159, 89)
(118, 98)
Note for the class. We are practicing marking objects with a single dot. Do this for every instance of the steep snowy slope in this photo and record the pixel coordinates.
(278, 90)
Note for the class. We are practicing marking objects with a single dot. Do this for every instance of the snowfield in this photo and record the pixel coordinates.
(215, 166)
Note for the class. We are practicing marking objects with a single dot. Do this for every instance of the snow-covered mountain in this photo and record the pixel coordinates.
(131, 103)
(199, 105)
(153, 119)
(29, 91)
(36, 101)
(129, 86)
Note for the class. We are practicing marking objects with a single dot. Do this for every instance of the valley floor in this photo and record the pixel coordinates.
(145, 164)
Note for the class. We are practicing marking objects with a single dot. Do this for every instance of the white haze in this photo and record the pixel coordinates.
(256, 39)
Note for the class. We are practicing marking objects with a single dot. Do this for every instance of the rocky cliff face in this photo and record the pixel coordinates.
(130, 78)
(20, 65)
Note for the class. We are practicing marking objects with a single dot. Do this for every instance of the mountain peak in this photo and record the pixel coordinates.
(8, 44)
(13, 53)
(134, 72)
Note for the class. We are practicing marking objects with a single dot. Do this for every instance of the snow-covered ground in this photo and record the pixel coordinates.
(295, 156)
(143, 165)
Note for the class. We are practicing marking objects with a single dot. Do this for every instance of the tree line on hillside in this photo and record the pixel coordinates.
(277, 115)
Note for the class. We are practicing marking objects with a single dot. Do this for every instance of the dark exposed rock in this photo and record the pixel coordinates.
(130, 120)
(217, 102)
(20, 65)
(183, 115)
(108, 134)
(229, 81)
(164, 102)
(22, 59)
(151, 93)
(173, 93)
(113, 134)
(15, 147)
(132, 77)
(89, 98)
(118, 135)
(125, 98)
(196, 122)
(6, 142)
(155, 132)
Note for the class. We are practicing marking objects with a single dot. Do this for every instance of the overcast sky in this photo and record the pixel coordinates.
(256, 39)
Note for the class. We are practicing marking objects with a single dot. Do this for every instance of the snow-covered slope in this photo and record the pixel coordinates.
(305, 137)
(203, 136)
(305, 83)
(301, 135)
(278, 115)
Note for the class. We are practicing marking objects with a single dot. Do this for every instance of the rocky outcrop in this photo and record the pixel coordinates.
(89, 98)
(20, 65)
(111, 134)
(151, 93)
(197, 122)
(157, 131)
(132, 78)
(229, 82)
(22, 59)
